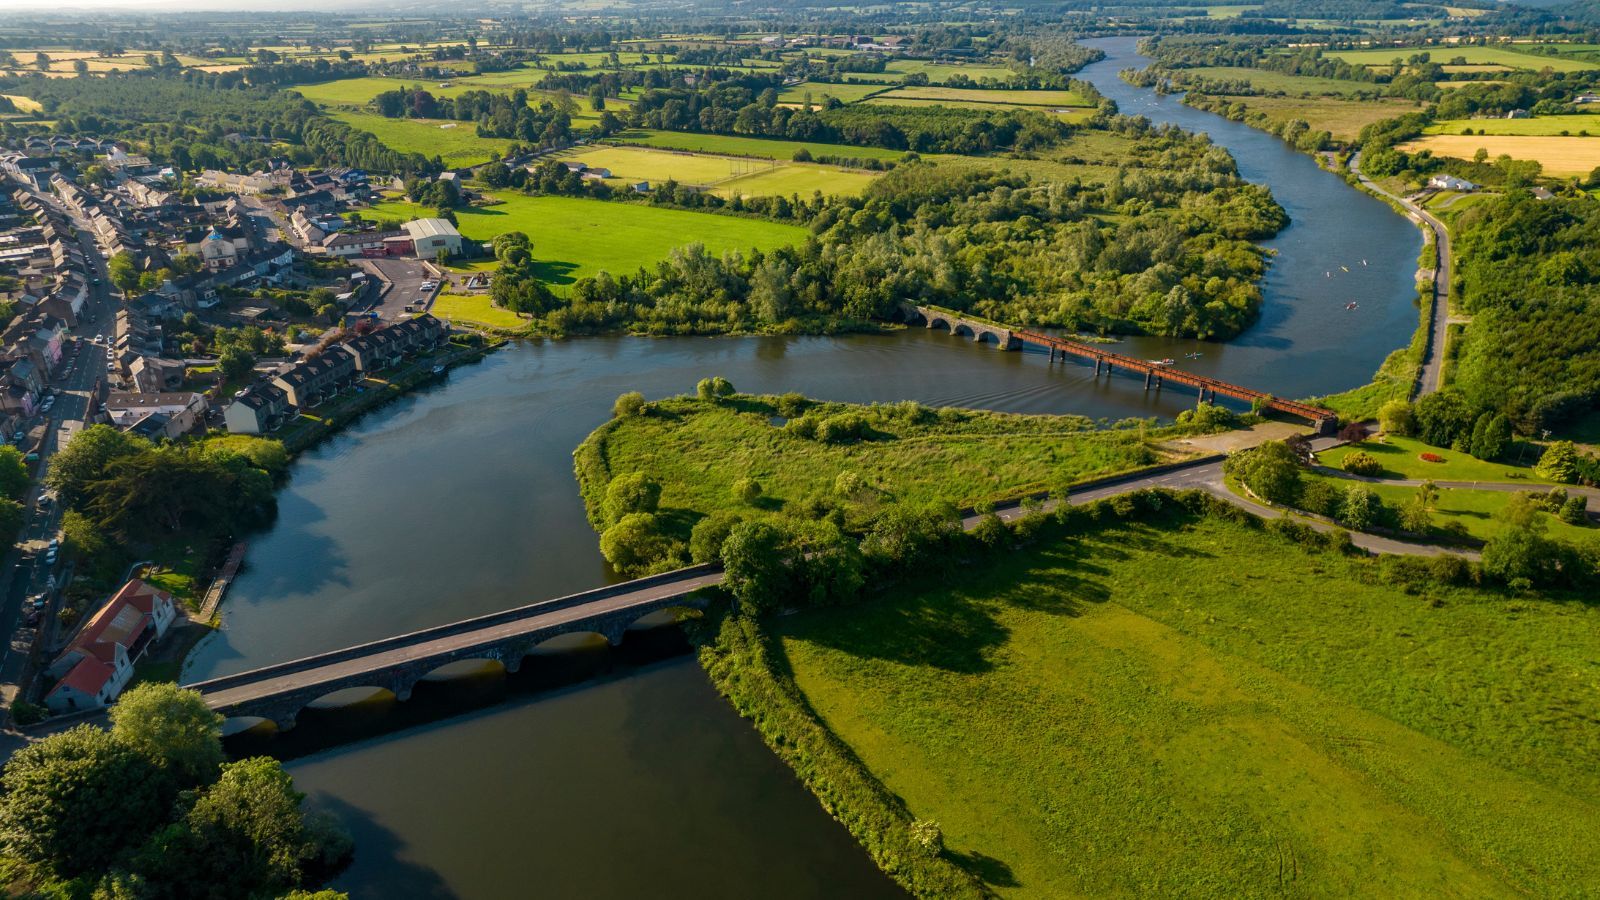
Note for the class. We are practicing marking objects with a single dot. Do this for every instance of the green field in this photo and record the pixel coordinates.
(1479, 56)
(991, 96)
(845, 93)
(728, 175)
(796, 179)
(751, 146)
(1263, 80)
(1065, 114)
(697, 450)
(1473, 511)
(574, 238)
(457, 145)
(940, 72)
(1135, 711)
(1344, 119)
(1582, 124)
(475, 309)
(1402, 458)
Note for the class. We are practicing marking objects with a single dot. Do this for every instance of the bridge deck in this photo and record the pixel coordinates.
(233, 690)
(1168, 373)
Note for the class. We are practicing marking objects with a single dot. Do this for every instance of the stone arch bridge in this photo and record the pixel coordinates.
(279, 692)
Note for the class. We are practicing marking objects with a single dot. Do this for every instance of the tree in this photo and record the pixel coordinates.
(1491, 436)
(714, 388)
(1414, 515)
(14, 478)
(236, 363)
(756, 568)
(1519, 554)
(173, 728)
(244, 837)
(747, 490)
(86, 457)
(635, 543)
(710, 533)
(772, 565)
(629, 404)
(1560, 462)
(1361, 508)
(76, 801)
(1270, 471)
(1395, 417)
(1442, 418)
(124, 272)
(1576, 510)
(634, 492)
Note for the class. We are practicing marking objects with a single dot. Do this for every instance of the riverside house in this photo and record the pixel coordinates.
(99, 661)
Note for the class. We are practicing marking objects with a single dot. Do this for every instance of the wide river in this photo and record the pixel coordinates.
(460, 500)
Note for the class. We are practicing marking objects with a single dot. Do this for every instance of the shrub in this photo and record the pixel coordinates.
(1362, 463)
(1361, 508)
(1430, 457)
(25, 713)
(1576, 510)
(634, 492)
(747, 490)
(709, 534)
(792, 405)
(843, 428)
(1321, 498)
(1209, 416)
(1395, 417)
(714, 388)
(629, 404)
(992, 533)
(848, 484)
(1560, 462)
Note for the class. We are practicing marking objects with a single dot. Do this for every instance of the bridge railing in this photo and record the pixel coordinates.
(453, 629)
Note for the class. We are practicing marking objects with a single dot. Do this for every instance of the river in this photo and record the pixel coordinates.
(459, 500)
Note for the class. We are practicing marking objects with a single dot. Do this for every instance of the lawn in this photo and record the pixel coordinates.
(799, 179)
(1402, 458)
(1472, 510)
(458, 144)
(1344, 119)
(475, 309)
(1558, 155)
(1198, 708)
(697, 450)
(1586, 123)
(995, 96)
(845, 93)
(1480, 56)
(574, 237)
(1263, 80)
(752, 146)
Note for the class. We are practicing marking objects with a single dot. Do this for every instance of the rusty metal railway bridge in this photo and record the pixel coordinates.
(1155, 374)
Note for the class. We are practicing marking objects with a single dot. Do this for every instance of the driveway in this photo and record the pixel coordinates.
(402, 280)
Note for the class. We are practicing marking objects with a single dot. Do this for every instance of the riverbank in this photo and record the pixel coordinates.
(1134, 637)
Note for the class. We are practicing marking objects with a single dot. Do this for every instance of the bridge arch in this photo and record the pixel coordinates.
(233, 726)
(357, 695)
(940, 322)
(667, 616)
(961, 328)
(468, 667)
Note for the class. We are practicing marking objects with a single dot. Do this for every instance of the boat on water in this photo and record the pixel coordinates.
(1161, 362)
(1351, 305)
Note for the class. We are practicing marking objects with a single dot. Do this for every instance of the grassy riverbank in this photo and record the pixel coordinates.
(1128, 709)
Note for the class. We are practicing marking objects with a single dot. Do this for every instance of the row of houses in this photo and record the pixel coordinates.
(264, 407)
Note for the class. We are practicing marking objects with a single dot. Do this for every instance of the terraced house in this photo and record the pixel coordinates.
(311, 381)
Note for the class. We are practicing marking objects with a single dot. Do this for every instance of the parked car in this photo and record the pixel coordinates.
(50, 557)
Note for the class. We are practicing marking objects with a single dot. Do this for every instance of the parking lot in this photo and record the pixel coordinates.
(406, 278)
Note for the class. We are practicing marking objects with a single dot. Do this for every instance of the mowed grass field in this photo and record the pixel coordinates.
(1263, 80)
(24, 104)
(996, 96)
(457, 145)
(1473, 510)
(845, 93)
(1402, 458)
(728, 174)
(1477, 56)
(1201, 709)
(1344, 119)
(573, 238)
(1558, 155)
(751, 146)
(476, 309)
(1548, 126)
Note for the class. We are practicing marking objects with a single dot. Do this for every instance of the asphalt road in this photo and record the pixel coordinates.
(1439, 320)
(405, 278)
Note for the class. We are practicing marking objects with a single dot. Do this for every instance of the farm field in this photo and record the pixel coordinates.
(1065, 114)
(766, 148)
(573, 237)
(23, 104)
(1558, 155)
(1344, 119)
(1478, 56)
(1187, 725)
(458, 145)
(1263, 80)
(1539, 125)
(731, 175)
(940, 72)
(845, 93)
(990, 97)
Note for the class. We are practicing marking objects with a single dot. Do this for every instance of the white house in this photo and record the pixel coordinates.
(97, 664)
(1451, 183)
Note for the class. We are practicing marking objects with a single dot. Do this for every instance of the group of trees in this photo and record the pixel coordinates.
(548, 123)
(150, 809)
(122, 492)
(1000, 245)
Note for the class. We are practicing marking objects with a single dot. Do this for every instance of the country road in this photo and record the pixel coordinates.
(1428, 380)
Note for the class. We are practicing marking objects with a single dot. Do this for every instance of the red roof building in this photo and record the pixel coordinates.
(96, 665)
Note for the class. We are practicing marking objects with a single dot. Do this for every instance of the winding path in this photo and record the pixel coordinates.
(1428, 379)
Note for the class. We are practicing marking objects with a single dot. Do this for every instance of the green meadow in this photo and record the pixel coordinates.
(1477, 56)
(458, 145)
(766, 148)
(1263, 80)
(1133, 711)
(574, 237)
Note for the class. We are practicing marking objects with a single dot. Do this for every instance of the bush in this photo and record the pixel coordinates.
(1576, 510)
(1361, 508)
(1321, 498)
(1560, 462)
(634, 492)
(792, 405)
(709, 534)
(1362, 463)
(1209, 416)
(25, 713)
(1395, 417)
(629, 404)
(747, 490)
(1271, 471)
(843, 428)
(992, 533)
(714, 388)
(848, 484)
(636, 544)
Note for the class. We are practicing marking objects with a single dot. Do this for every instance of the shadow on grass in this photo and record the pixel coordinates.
(554, 271)
(993, 871)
